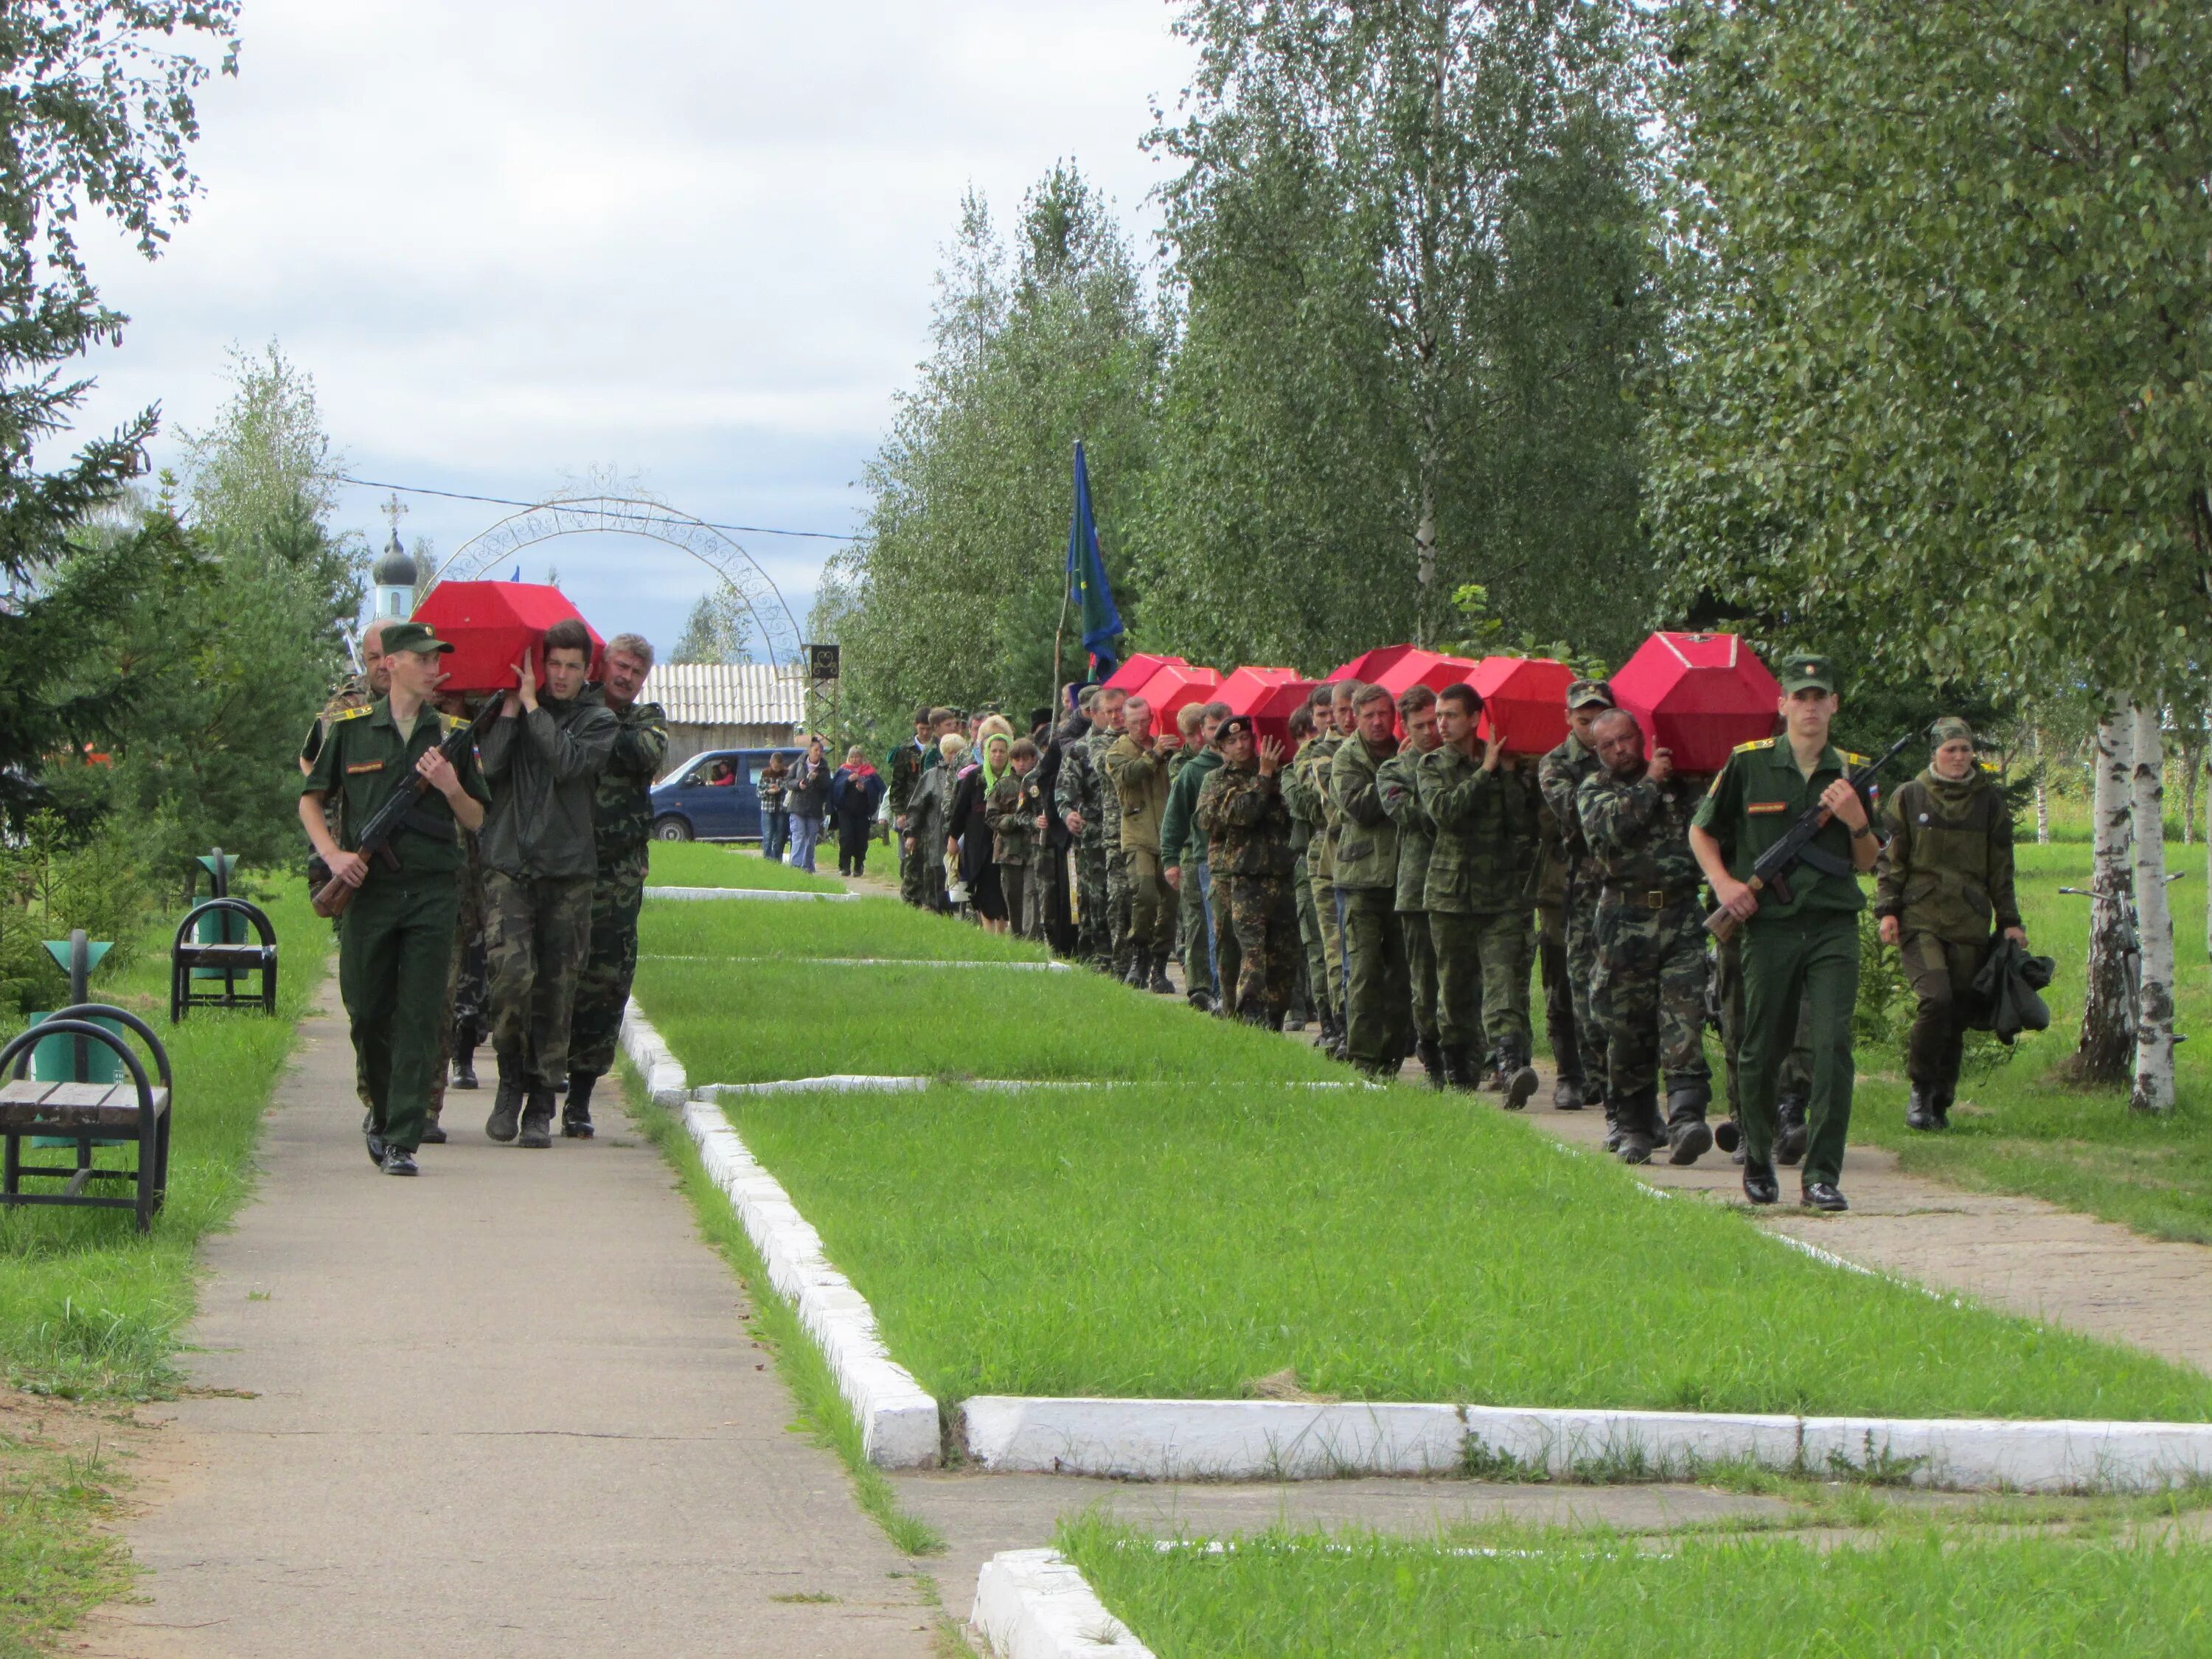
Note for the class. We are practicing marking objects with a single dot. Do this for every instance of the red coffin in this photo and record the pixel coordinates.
(489, 626)
(1526, 698)
(1370, 667)
(1269, 695)
(1174, 685)
(1139, 668)
(1418, 667)
(1698, 695)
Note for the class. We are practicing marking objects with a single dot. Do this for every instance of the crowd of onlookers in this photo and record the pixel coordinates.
(801, 800)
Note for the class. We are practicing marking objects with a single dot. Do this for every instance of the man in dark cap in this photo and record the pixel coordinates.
(1807, 949)
(396, 938)
(1567, 893)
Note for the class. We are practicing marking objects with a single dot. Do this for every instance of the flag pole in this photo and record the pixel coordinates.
(1066, 592)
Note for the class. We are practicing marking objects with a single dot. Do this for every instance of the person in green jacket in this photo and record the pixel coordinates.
(1378, 996)
(1944, 892)
(1398, 779)
(1191, 874)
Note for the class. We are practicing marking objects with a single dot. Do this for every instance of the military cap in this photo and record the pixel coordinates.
(1590, 694)
(1235, 725)
(1950, 729)
(1803, 671)
(411, 636)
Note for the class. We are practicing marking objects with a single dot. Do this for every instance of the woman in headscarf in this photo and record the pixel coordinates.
(968, 828)
(926, 810)
(854, 793)
(1943, 890)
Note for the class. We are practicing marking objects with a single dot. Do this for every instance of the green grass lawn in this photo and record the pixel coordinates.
(2026, 1127)
(57, 1560)
(1184, 1240)
(707, 864)
(880, 928)
(1957, 1593)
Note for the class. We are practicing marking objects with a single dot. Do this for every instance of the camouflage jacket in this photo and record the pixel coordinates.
(1248, 827)
(1082, 786)
(1948, 866)
(1560, 775)
(902, 769)
(621, 801)
(1485, 854)
(1013, 807)
(1639, 834)
(1138, 774)
(1399, 780)
(1366, 835)
(1305, 791)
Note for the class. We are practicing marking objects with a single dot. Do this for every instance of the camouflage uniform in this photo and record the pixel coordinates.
(465, 981)
(1379, 998)
(1478, 895)
(1115, 918)
(1081, 789)
(1137, 776)
(903, 770)
(1650, 993)
(1248, 832)
(1560, 775)
(622, 827)
(1398, 778)
(1305, 790)
(1013, 807)
(1182, 843)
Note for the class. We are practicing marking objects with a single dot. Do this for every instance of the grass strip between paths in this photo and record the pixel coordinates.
(57, 1560)
(1933, 1590)
(706, 864)
(776, 1325)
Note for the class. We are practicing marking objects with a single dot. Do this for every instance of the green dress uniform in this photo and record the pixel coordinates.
(1805, 950)
(396, 939)
(1378, 1002)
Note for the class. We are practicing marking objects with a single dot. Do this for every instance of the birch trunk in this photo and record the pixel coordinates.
(2153, 1087)
(2043, 806)
(2107, 1039)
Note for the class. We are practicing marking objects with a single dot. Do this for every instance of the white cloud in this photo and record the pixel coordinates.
(695, 241)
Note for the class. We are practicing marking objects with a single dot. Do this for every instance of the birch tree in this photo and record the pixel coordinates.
(2154, 1057)
(2108, 1030)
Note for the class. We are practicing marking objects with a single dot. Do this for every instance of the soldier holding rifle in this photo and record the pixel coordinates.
(1800, 937)
(396, 939)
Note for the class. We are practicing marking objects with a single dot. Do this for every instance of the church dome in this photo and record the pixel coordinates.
(394, 567)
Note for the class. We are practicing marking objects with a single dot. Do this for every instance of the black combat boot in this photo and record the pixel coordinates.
(1567, 1095)
(537, 1118)
(1459, 1068)
(1431, 1057)
(375, 1141)
(1517, 1079)
(433, 1133)
(466, 1039)
(1612, 1111)
(1791, 1131)
(1129, 968)
(1688, 1139)
(1920, 1111)
(1943, 1111)
(1638, 1125)
(1759, 1186)
(1158, 982)
(576, 1109)
(505, 1105)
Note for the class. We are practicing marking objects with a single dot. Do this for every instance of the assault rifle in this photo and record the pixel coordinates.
(399, 806)
(1770, 874)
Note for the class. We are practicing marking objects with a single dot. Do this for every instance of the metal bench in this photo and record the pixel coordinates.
(88, 1113)
(235, 961)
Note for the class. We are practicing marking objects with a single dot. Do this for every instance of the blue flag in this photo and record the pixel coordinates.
(1086, 576)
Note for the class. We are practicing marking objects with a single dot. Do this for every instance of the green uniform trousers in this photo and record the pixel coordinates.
(1420, 971)
(1309, 936)
(1331, 919)
(395, 956)
(1379, 993)
(1152, 902)
(610, 964)
(1121, 908)
(1795, 1077)
(1810, 960)
(1482, 981)
(1094, 917)
(1196, 917)
(1941, 973)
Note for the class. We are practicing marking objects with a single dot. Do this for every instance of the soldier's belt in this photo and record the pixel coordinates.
(1647, 898)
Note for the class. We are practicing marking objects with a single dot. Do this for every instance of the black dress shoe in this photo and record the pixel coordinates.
(375, 1140)
(399, 1162)
(432, 1133)
(1823, 1195)
(1759, 1186)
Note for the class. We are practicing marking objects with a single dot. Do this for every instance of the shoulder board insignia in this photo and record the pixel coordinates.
(451, 722)
(1849, 759)
(352, 714)
(1756, 743)
(1989, 768)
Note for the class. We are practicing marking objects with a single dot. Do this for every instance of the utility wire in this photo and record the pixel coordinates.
(502, 501)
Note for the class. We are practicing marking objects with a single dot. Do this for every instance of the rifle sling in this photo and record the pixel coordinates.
(1820, 858)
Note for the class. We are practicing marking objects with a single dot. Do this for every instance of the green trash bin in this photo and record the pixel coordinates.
(76, 1058)
(219, 926)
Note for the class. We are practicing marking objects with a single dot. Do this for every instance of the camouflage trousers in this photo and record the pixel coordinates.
(1309, 935)
(1378, 990)
(464, 983)
(1037, 880)
(1196, 916)
(1578, 921)
(910, 868)
(1152, 901)
(1560, 1027)
(1650, 995)
(1121, 906)
(610, 964)
(1941, 973)
(1094, 936)
(1420, 971)
(1255, 921)
(1482, 981)
(1329, 914)
(1795, 1078)
(536, 929)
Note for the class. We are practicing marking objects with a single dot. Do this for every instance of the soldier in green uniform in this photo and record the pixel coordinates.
(1945, 888)
(1650, 993)
(1378, 992)
(1136, 765)
(1191, 873)
(1581, 1057)
(1398, 779)
(1247, 831)
(1077, 797)
(621, 826)
(396, 939)
(903, 770)
(1305, 791)
(1808, 948)
(1481, 880)
(1313, 961)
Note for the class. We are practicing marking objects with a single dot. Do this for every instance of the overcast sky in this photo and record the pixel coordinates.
(692, 242)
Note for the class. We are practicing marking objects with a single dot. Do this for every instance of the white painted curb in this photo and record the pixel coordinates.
(1212, 1439)
(1033, 1604)
(877, 1083)
(898, 1419)
(872, 961)
(770, 894)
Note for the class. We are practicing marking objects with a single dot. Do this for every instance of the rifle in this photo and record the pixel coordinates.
(376, 835)
(1771, 873)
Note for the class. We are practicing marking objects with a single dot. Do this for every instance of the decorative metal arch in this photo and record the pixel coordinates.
(589, 515)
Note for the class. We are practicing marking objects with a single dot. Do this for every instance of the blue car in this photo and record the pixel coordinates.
(714, 796)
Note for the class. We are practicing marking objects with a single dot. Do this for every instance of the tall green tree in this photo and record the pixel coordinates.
(97, 116)
(1413, 240)
(954, 590)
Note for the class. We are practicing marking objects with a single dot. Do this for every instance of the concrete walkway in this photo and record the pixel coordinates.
(506, 1408)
